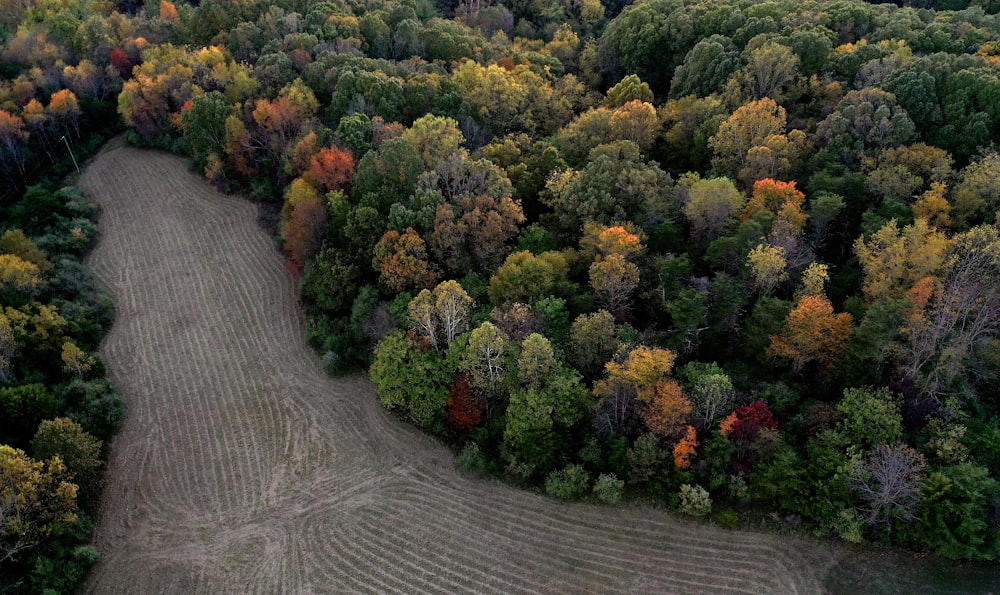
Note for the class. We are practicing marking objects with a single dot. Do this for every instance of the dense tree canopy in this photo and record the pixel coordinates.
(732, 252)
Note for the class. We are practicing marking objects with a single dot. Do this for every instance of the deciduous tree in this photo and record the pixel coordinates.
(749, 126)
(402, 261)
(485, 360)
(36, 497)
(893, 259)
(813, 333)
(593, 340)
(712, 207)
(888, 481)
(332, 168)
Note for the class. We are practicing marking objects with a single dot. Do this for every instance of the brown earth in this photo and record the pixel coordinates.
(241, 467)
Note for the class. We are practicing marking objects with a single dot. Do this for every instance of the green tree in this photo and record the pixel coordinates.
(412, 380)
(865, 122)
(871, 417)
(539, 415)
(22, 408)
(79, 451)
(204, 126)
(706, 68)
(954, 510)
(486, 362)
(524, 276)
(593, 340)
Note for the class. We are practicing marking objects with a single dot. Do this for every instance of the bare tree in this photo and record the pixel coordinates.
(888, 483)
(940, 338)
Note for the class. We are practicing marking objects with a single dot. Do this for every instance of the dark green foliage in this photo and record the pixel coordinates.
(471, 460)
(65, 559)
(94, 405)
(957, 504)
(330, 282)
(205, 126)
(22, 408)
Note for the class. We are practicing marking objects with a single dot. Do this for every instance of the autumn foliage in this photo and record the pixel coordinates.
(665, 408)
(402, 262)
(684, 450)
(813, 333)
(332, 168)
(121, 62)
(168, 12)
(744, 423)
(463, 412)
(303, 233)
(781, 198)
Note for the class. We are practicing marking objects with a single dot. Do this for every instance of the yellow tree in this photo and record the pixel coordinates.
(640, 381)
(768, 267)
(435, 138)
(933, 206)
(19, 274)
(636, 121)
(894, 259)
(712, 207)
(813, 333)
(35, 498)
(614, 280)
(749, 126)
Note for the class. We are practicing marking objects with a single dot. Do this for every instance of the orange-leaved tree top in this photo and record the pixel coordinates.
(684, 450)
(644, 376)
(168, 12)
(781, 198)
(401, 259)
(332, 168)
(813, 333)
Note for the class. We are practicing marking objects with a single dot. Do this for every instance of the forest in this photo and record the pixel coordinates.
(740, 259)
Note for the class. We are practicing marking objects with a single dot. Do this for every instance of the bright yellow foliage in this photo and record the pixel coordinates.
(18, 273)
(892, 260)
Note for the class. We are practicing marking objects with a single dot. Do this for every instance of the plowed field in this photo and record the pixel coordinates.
(241, 467)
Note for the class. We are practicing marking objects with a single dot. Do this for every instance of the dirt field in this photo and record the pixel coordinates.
(241, 467)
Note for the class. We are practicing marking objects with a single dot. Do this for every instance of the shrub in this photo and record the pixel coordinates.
(694, 500)
(608, 488)
(332, 364)
(471, 460)
(727, 519)
(569, 484)
(645, 457)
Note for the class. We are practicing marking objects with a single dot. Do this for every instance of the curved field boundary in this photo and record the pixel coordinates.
(241, 467)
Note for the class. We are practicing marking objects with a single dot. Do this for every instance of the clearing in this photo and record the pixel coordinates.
(241, 467)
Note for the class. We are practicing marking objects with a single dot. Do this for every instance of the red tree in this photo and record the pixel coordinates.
(464, 412)
(747, 421)
(303, 234)
(330, 169)
(121, 63)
